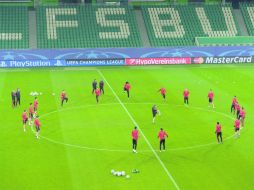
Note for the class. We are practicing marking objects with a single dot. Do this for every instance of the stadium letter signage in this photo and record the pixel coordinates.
(124, 31)
(159, 24)
(250, 11)
(206, 25)
(10, 36)
(53, 24)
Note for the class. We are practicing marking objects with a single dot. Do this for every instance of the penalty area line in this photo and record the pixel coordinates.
(135, 123)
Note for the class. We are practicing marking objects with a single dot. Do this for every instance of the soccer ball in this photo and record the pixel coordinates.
(40, 93)
(127, 177)
(53, 94)
(119, 173)
(112, 171)
(123, 173)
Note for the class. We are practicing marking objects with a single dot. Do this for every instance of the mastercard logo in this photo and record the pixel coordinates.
(198, 60)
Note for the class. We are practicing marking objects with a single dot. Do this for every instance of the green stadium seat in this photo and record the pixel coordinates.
(178, 25)
(247, 10)
(14, 27)
(86, 26)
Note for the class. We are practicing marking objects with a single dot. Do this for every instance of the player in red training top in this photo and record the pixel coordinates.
(63, 97)
(210, 98)
(163, 92)
(97, 94)
(186, 96)
(242, 116)
(162, 135)
(238, 109)
(35, 105)
(37, 125)
(234, 102)
(237, 128)
(218, 132)
(134, 135)
(31, 114)
(24, 120)
(127, 88)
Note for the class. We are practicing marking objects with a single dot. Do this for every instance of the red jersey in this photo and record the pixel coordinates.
(163, 91)
(210, 95)
(24, 116)
(162, 135)
(186, 93)
(237, 107)
(134, 134)
(36, 103)
(237, 123)
(37, 122)
(242, 113)
(31, 109)
(127, 86)
(218, 128)
(63, 95)
(97, 92)
(234, 101)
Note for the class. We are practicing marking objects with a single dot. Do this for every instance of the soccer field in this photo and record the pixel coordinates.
(83, 141)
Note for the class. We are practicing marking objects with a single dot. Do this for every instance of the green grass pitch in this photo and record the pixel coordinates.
(81, 142)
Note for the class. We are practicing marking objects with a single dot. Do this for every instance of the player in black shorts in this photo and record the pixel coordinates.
(94, 85)
(154, 112)
(13, 98)
(18, 97)
(101, 84)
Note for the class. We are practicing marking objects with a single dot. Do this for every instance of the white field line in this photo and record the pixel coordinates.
(124, 150)
(135, 123)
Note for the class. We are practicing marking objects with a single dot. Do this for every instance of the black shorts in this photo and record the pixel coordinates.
(154, 114)
(219, 134)
(186, 98)
(134, 141)
(30, 115)
(237, 129)
(210, 100)
(24, 121)
(37, 128)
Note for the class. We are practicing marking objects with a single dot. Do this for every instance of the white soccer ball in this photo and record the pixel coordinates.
(119, 173)
(127, 176)
(53, 94)
(112, 171)
(123, 173)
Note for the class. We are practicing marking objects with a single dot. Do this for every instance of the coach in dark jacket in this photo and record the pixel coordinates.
(18, 96)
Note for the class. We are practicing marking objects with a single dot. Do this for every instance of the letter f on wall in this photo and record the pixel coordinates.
(53, 24)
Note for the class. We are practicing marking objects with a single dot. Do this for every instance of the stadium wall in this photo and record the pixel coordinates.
(125, 56)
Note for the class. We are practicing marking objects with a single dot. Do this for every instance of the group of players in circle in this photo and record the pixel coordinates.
(236, 109)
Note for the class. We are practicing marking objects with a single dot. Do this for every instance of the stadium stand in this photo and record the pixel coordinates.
(14, 27)
(86, 26)
(247, 10)
(178, 25)
(225, 41)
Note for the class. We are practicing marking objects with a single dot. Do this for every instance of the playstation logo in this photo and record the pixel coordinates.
(3, 64)
(58, 63)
